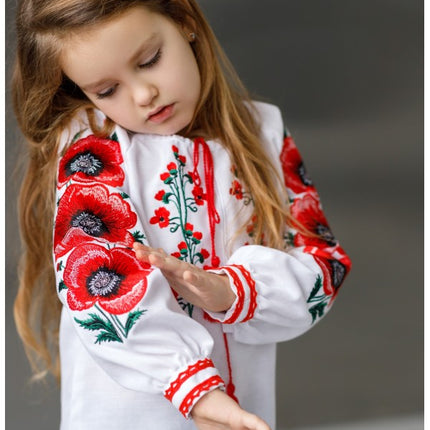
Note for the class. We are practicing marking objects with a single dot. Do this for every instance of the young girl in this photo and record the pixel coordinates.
(188, 239)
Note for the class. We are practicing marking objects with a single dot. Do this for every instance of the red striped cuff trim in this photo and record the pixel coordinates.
(252, 292)
(240, 294)
(183, 376)
(197, 391)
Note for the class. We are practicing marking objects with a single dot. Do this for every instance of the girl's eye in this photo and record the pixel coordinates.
(154, 60)
(110, 91)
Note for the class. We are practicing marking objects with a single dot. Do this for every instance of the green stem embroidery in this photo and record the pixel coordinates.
(112, 320)
(121, 326)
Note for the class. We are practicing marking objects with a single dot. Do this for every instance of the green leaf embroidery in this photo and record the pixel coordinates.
(105, 336)
(166, 197)
(96, 323)
(189, 177)
(188, 307)
(317, 311)
(138, 236)
(76, 136)
(289, 239)
(62, 286)
(200, 257)
(125, 195)
(114, 137)
(132, 319)
(317, 287)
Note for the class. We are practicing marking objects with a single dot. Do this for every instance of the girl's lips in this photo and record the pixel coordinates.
(160, 115)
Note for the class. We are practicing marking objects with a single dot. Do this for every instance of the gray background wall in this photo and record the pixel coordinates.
(348, 75)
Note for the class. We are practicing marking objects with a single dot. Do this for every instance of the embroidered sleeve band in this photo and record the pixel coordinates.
(191, 384)
(243, 285)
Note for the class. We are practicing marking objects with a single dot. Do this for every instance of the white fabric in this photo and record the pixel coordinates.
(113, 386)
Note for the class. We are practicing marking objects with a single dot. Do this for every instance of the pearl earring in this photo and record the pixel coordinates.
(192, 37)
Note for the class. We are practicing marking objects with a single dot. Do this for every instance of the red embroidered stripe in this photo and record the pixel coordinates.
(230, 386)
(183, 376)
(197, 391)
(240, 295)
(253, 292)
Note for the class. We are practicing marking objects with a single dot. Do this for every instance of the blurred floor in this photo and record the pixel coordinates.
(413, 422)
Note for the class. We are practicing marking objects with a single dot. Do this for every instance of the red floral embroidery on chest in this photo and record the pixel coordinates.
(181, 198)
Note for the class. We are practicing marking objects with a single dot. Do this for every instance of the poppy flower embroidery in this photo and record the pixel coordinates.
(295, 175)
(161, 217)
(236, 190)
(111, 281)
(326, 288)
(307, 212)
(199, 195)
(89, 158)
(91, 212)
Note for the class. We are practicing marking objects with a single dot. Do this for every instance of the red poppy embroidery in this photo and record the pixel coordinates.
(199, 195)
(197, 236)
(159, 196)
(182, 246)
(334, 274)
(171, 167)
(236, 190)
(114, 279)
(91, 212)
(165, 177)
(295, 175)
(161, 217)
(307, 211)
(89, 158)
(326, 287)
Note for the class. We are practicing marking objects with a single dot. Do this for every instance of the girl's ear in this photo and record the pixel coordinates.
(189, 29)
(191, 36)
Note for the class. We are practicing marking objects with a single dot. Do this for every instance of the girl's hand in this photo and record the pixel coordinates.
(203, 289)
(216, 410)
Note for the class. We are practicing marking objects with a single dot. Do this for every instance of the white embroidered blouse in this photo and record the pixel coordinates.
(134, 355)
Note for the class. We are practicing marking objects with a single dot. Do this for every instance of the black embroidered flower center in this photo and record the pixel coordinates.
(85, 162)
(304, 175)
(325, 233)
(89, 223)
(104, 282)
(339, 272)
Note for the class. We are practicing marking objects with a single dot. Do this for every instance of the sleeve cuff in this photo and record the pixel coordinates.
(243, 285)
(191, 384)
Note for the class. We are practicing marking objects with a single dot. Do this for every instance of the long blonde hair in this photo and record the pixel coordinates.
(45, 101)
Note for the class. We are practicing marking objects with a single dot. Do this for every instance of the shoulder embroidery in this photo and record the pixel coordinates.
(112, 282)
(91, 157)
(87, 212)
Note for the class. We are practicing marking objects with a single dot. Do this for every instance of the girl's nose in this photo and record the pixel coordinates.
(144, 93)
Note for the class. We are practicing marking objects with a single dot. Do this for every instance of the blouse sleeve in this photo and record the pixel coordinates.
(123, 310)
(280, 294)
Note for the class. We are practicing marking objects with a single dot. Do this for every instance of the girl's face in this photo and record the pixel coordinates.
(138, 69)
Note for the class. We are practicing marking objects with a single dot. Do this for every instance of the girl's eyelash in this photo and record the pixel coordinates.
(106, 93)
(154, 60)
